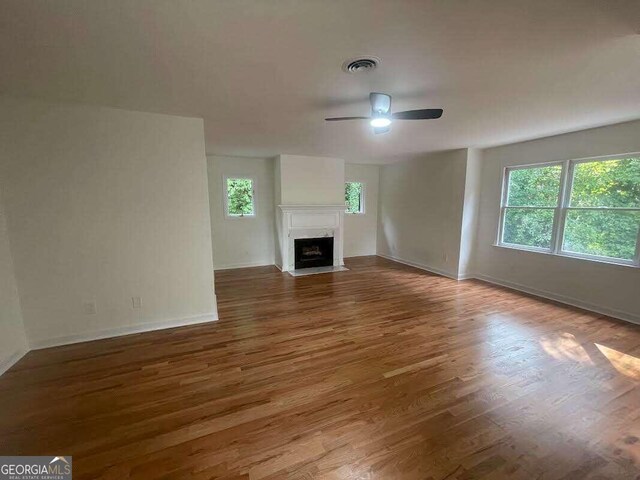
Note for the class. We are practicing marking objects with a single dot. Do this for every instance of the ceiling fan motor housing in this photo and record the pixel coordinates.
(380, 105)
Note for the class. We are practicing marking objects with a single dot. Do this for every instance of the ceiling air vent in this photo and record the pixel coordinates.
(359, 65)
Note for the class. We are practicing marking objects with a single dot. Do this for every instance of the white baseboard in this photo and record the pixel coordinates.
(361, 255)
(231, 266)
(466, 276)
(427, 268)
(12, 359)
(120, 331)
(627, 316)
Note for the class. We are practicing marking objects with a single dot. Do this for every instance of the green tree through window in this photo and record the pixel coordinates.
(604, 209)
(240, 197)
(353, 197)
(532, 198)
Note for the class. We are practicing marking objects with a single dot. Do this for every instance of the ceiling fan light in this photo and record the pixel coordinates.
(380, 122)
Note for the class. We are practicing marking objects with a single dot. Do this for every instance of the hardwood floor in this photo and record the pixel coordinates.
(380, 372)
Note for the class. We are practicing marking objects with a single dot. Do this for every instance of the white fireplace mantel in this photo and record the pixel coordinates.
(309, 221)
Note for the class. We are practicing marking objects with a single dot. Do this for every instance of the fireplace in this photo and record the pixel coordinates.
(313, 252)
(309, 223)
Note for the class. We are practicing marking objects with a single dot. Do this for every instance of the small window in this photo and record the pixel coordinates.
(354, 197)
(528, 211)
(239, 197)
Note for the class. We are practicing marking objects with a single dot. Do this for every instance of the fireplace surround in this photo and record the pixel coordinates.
(297, 222)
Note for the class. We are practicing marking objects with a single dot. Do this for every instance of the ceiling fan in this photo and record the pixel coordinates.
(381, 116)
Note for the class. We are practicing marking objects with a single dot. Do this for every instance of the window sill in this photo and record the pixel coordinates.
(239, 217)
(354, 213)
(566, 255)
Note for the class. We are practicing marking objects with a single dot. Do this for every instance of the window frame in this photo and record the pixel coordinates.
(225, 196)
(561, 209)
(504, 207)
(362, 197)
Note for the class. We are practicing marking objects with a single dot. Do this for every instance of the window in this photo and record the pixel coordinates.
(531, 200)
(354, 197)
(603, 211)
(582, 208)
(239, 197)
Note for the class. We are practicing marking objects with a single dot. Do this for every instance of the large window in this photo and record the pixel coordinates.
(239, 197)
(582, 208)
(354, 197)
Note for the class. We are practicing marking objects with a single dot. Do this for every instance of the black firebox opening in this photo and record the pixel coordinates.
(313, 252)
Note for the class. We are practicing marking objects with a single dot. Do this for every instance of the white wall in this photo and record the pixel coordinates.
(277, 199)
(420, 214)
(13, 342)
(601, 287)
(102, 205)
(468, 232)
(246, 241)
(360, 230)
(311, 180)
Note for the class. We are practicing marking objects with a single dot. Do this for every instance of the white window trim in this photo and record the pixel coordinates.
(225, 196)
(561, 209)
(363, 205)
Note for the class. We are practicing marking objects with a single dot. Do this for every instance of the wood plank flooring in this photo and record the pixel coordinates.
(381, 372)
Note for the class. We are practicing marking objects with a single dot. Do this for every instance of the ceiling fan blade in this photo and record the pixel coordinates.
(337, 119)
(378, 130)
(380, 103)
(424, 114)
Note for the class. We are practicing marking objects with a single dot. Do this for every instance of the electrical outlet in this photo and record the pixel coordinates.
(136, 302)
(90, 307)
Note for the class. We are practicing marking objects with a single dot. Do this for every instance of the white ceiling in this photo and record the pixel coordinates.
(264, 73)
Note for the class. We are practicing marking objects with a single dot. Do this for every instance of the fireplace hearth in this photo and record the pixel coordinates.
(313, 252)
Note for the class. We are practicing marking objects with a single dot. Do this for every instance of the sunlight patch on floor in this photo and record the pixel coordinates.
(565, 347)
(627, 365)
